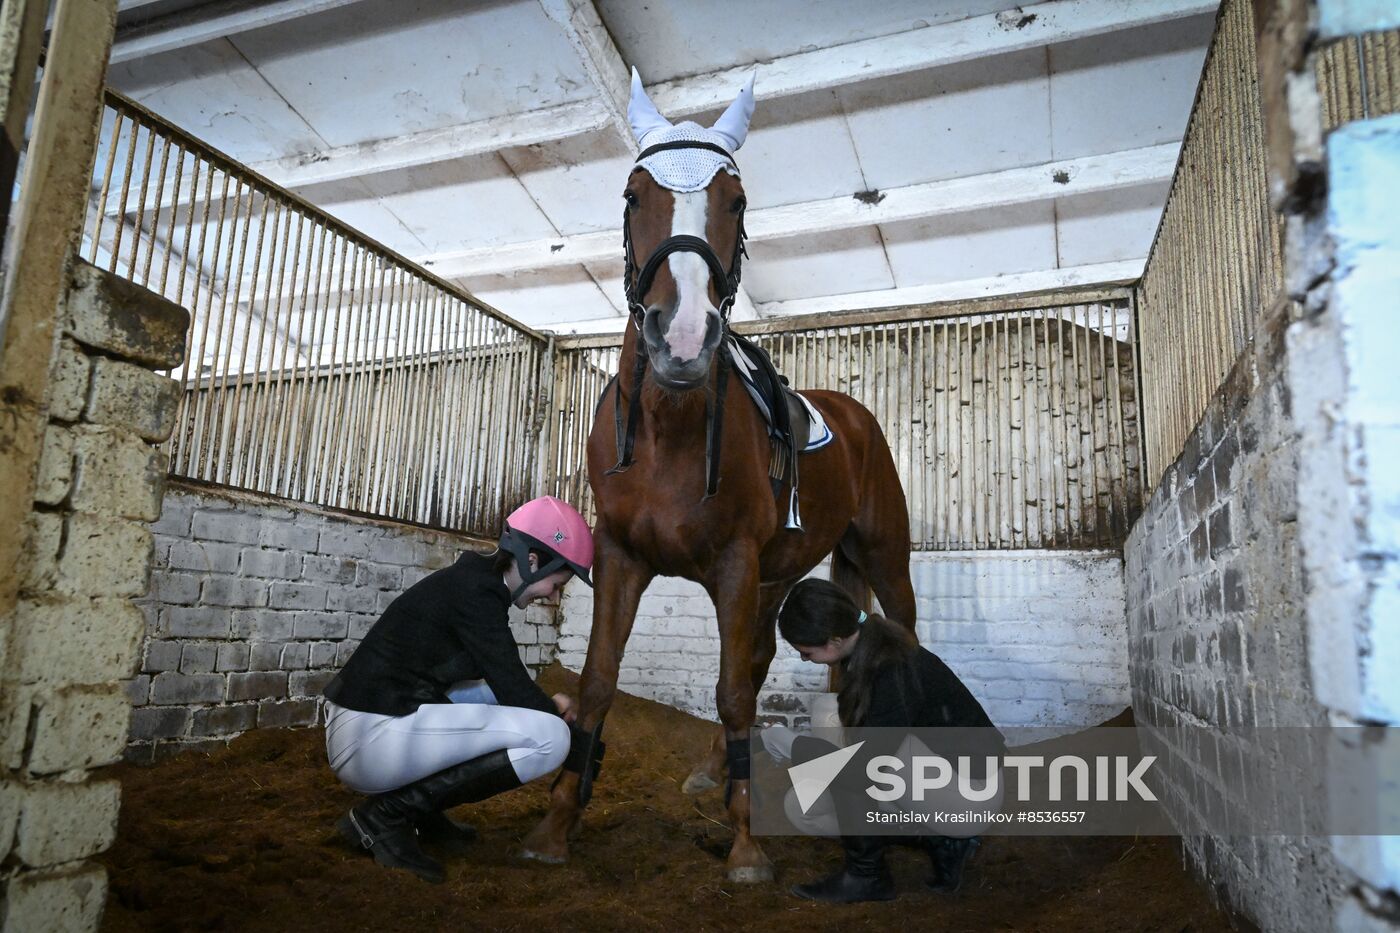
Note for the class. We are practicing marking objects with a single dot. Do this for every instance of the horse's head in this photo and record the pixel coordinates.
(684, 224)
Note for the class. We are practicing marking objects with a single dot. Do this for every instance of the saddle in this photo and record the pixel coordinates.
(794, 426)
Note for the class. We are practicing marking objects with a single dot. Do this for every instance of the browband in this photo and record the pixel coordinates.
(686, 144)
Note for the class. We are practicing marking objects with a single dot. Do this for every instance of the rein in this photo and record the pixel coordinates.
(636, 283)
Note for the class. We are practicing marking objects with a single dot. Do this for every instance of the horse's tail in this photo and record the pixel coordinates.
(845, 574)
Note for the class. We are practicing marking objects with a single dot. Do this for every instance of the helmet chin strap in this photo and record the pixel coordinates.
(520, 550)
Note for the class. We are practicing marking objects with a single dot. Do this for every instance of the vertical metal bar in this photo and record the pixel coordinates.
(119, 117)
(126, 189)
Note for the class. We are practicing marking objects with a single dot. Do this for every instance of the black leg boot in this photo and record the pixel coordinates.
(385, 824)
(864, 877)
(384, 827)
(440, 830)
(947, 858)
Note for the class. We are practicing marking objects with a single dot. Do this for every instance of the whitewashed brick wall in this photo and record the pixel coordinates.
(256, 603)
(1038, 636)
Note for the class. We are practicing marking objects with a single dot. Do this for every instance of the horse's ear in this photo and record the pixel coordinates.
(733, 124)
(641, 112)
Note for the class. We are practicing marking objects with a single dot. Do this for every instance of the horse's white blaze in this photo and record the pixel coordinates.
(686, 335)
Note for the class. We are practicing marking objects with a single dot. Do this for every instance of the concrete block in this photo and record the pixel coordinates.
(158, 722)
(37, 568)
(295, 657)
(297, 596)
(55, 472)
(352, 599)
(264, 656)
(352, 541)
(309, 683)
(162, 656)
(77, 641)
(242, 592)
(104, 556)
(79, 727)
(176, 514)
(273, 565)
(395, 549)
(224, 720)
(379, 576)
(175, 589)
(323, 654)
(108, 312)
(68, 381)
(197, 659)
(273, 714)
(138, 689)
(206, 557)
(134, 398)
(116, 473)
(232, 657)
(263, 625)
(318, 568)
(195, 622)
(320, 625)
(256, 685)
(169, 688)
(300, 535)
(69, 899)
(234, 527)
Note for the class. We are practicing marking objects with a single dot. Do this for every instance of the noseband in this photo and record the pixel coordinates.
(638, 282)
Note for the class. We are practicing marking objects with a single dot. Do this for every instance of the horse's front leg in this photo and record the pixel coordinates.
(734, 590)
(619, 583)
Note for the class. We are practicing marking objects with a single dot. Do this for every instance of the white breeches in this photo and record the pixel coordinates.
(372, 754)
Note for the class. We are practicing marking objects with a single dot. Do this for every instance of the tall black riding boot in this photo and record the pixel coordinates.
(448, 834)
(385, 824)
(864, 877)
(948, 857)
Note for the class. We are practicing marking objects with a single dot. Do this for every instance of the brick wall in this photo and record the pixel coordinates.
(75, 634)
(255, 603)
(1038, 636)
(1218, 639)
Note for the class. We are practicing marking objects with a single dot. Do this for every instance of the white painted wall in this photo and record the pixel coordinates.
(1038, 636)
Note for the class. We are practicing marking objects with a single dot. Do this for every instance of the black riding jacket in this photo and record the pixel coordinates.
(450, 626)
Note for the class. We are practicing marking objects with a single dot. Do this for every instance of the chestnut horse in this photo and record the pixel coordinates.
(647, 464)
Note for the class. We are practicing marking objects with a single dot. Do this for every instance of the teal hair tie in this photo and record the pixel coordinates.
(861, 620)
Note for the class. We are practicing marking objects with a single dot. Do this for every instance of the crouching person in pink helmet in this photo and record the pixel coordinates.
(435, 709)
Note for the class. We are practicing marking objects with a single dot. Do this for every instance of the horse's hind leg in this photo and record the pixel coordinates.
(877, 541)
(620, 582)
(709, 771)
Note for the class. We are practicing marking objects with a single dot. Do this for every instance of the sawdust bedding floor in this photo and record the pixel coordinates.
(243, 839)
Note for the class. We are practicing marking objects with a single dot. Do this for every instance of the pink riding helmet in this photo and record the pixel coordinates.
(555, 527)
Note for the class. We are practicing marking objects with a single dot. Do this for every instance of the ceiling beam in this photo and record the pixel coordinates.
(976, 192)
(1031, 26)
(202, 24)
(611, 78)
(430, 146)
(1102, 273)
(918, 49)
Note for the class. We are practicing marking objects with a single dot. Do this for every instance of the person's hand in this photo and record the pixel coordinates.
(567, 707)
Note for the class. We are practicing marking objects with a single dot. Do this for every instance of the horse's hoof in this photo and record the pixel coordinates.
(698, 783)
(545, 857)
(750, 874)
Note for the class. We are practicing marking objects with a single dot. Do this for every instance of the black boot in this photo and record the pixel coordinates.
(864, 877)
(385, 824)
(446, 833)
(947, 857)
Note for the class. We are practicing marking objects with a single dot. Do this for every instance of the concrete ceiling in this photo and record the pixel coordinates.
(992, 150)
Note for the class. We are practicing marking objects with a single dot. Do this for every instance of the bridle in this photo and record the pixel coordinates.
(637, 282)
